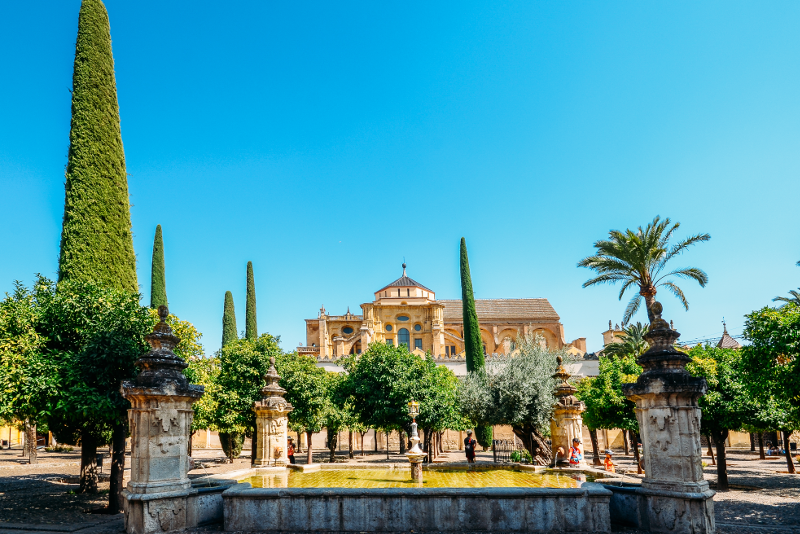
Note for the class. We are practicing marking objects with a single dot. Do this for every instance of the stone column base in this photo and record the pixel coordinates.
(660, 510)
(147, 513)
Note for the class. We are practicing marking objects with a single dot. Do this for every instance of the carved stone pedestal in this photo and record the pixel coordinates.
(272, 418)
(158, 493)
(567, 422)
(673, 497)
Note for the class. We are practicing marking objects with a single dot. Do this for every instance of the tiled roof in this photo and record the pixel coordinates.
(405, 281)
(727, 342)
(502, 309)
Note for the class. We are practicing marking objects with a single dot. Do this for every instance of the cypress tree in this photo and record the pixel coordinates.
(229, 332)
(96, 238)
(473, 344)
(158, 279)
(250, 328)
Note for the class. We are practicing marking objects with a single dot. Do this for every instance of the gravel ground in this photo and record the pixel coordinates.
(762, 500)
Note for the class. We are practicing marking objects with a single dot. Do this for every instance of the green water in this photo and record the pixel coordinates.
(397, 478)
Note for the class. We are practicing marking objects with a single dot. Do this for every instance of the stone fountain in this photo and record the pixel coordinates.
(272, 418)
(567, 421)
(415, 455)
(673, 496)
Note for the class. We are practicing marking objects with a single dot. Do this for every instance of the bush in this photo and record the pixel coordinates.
(59, 448)
(231, 444)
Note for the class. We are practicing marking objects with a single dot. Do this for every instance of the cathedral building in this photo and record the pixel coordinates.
(406, 312)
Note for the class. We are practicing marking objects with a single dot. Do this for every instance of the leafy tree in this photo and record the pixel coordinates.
(639, 259)
(251, 328)
(306, 388)
(632, 342)
(96, 238)
(727, 404)
(242, 366)
(516, 391)
(229, 332)
(204, 372)
(473, 344)
(158, 278)
(772, 369)
(27, 376)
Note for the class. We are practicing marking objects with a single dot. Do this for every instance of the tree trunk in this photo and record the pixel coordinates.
(253, 447)
(375, 435)
(88, 463)
(402, 441)
(649, 294)
(310, 459)
(333, 440)
(30, 442)
(439, 440)
(595, 448)
(752, 442)
(533, 443)
(350, 444)
(761, 454)
(722, 466)
(625, 442)
(710, 450)
(387, 444)
(118, 435)
(362, 442)
(635, 445)
(789, 462)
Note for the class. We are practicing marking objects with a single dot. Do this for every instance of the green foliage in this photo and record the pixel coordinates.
(483, 435)
(727, 405)
(229, 332)
(639, 259)
(231, 444)
(242, 366)
(794, 299)
(96, 238)
(189, 347)
(306, 388)
(772, 367)
(473, 344)
(606, 405)
(251, 328)
(158, 277)
(632, 342)
(205, 372)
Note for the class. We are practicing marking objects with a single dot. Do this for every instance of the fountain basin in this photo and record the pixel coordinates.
(584, 507)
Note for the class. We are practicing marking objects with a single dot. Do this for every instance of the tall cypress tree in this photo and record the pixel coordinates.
(250, 328)
(96, 238)
(473, 344)
(158, 279)
(229, 332)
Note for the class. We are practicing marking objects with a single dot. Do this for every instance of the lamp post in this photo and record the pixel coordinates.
(415, 454)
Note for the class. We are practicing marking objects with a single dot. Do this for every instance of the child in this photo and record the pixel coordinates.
(575, 454)
(609, 464)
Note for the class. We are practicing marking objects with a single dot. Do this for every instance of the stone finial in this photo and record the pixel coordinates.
(609, 324)
(662, 356)
(272, 394)
(565, 392)
(161, 365)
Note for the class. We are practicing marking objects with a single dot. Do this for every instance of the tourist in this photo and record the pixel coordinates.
(575, 455)
(608, 463)
(290, 450)
(469, 447)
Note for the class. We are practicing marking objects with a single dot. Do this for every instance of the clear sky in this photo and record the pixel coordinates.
(327, 141)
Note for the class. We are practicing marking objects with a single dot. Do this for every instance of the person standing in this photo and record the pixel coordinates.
(290, 450)
(469, 447)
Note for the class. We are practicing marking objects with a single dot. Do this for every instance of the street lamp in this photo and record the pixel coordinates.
(415, 454)
(413, 410)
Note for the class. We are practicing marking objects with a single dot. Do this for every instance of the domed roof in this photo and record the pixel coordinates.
(405, 281)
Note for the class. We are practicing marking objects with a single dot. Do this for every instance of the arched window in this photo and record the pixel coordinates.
(403, 338)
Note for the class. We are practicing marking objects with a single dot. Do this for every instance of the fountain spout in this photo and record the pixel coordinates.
(415, 455)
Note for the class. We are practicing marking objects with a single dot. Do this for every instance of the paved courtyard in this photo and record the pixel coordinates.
(42, 498)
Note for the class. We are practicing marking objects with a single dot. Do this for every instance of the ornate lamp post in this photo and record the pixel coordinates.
(415, 455)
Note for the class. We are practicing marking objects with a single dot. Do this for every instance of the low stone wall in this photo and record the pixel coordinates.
(584, 509)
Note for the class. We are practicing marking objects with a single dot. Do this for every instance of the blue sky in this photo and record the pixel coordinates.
(327, 141)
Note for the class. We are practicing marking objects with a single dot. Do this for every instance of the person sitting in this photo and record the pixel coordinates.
(610, 466)
(290, 450)
(575, 454)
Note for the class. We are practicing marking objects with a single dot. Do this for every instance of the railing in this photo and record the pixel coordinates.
(502, 449)
(307, 350)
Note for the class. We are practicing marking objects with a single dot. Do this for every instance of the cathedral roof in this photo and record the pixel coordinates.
(502, 309)
(727, 342)
(405, 281)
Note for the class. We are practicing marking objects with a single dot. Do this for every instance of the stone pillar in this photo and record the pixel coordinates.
(160, 418)
(272, 419)
(674, 496)
(567, 422)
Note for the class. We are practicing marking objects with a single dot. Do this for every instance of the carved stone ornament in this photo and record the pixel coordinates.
(272, 394)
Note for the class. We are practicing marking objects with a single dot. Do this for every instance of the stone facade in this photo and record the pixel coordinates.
(674, 496)
(406, 312)
(272, 420)
(159, 496)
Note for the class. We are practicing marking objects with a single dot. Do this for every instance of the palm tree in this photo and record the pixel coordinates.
(794, 299)
(632, 342)
(639, 258)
